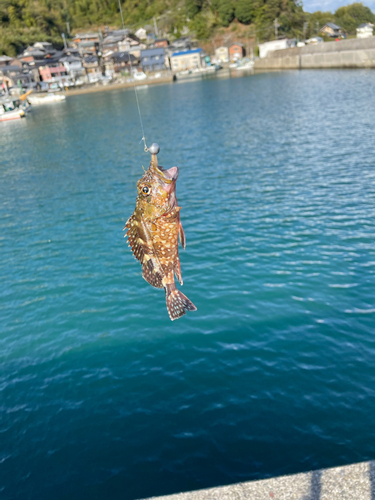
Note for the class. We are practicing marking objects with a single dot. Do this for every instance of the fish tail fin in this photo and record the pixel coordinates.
(177, 303)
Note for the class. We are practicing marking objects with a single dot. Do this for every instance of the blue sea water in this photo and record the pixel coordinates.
(101, 395)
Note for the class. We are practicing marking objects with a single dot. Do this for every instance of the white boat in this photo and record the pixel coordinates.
(13, 108)
(37, 99)
(140, 75)
(244, 64)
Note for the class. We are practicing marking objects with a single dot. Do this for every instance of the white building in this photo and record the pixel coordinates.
(265, 48)
(365, 30)
(141, 33)
(222, 54)
(73, 65)
(188, 59)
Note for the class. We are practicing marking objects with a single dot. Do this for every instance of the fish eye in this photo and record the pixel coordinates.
(145, 189)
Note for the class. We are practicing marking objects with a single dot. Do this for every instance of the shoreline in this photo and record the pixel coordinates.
(117, 86)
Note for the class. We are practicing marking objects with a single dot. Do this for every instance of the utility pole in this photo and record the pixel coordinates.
(122, 18)
(317, 27)
(68, 28)
(63, 37)
(277, 25)
(156, 28)
(305, 25)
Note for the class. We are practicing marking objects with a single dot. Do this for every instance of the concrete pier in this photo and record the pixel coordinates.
(350, 482)
(353, 53)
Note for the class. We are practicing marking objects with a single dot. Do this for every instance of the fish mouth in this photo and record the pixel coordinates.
(169, 175)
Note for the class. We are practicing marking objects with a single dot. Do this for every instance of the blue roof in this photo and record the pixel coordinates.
(185, 52)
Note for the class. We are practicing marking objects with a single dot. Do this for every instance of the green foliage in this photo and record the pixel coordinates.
(289, 14)
(200, 27)
(245, 11)
(23, 22)
(348, 17)
(351, 16)
(193, 7)
(317, 20)
(225, 11)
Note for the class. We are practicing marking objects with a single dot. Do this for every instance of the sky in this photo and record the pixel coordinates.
(332, 5)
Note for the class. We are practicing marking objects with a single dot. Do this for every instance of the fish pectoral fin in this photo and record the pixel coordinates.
(182, 236)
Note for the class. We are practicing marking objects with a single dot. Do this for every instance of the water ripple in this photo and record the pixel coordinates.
(97, 386)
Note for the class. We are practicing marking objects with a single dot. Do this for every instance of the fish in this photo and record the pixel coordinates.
(153, 231)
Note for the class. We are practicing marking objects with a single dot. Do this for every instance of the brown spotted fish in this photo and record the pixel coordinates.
(153, 231)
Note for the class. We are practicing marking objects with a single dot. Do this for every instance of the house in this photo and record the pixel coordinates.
(141, 33)
(73, 65)
(222, 54)
(53, 72)
(119, 62)
(236, 51)
(183, 43)
(153, 59)
(45, 46)
(5, 60)
(92, 68)
(119, 41)
(283, 43)
(186, 60)
(16, 77)
(86, 43)
(151, 37)
(365, 30)
(37, 52)
(86, 37)
(129, 43)
(161, 42)
(332, 30)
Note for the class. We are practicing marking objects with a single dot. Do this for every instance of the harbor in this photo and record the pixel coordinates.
(187, 265)
(121, 58)
(102, 396)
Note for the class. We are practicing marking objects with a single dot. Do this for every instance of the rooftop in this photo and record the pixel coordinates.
(333, 26)
(186, 52)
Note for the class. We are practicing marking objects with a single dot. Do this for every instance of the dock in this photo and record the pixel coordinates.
(349, 482)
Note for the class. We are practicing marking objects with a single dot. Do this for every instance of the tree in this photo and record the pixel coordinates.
(225, 10)
(200, 27)
(193, 7)
(245, 11)
(351, 16)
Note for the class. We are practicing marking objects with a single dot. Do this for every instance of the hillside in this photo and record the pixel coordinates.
(23, 22)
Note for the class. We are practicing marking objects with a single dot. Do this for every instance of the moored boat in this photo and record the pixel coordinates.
(37, 99)
(13, 108)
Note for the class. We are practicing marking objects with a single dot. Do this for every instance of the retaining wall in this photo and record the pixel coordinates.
(353, 53)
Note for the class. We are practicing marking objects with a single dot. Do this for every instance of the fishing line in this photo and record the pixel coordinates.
(138, 106)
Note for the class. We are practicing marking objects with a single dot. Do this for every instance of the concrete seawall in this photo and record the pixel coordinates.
(353, 53)
(351, 482)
